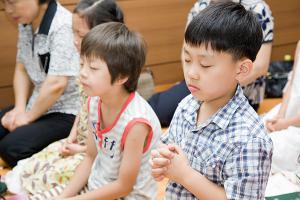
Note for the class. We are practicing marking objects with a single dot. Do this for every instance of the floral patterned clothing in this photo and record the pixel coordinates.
(47, 169)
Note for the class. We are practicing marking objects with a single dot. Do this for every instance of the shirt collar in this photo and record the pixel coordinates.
(222, 117)
(48, 18)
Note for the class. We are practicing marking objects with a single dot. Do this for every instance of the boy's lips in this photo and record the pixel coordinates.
(193, 88)
(16, 18)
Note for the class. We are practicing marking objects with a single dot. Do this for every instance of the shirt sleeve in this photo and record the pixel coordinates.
(265, 18)
(64, 60)
(247, 170)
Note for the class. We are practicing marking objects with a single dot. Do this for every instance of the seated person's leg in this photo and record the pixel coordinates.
(4, 131)
(27, 140)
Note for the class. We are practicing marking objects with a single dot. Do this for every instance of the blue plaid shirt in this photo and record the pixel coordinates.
(230, 149)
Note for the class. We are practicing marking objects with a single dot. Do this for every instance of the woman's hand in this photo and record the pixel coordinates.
(21, 120)
(277, 124)
(9, 119)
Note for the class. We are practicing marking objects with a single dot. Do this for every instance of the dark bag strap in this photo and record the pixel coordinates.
(44, 29)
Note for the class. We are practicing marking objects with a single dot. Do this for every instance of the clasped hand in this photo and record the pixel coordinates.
(169, 161)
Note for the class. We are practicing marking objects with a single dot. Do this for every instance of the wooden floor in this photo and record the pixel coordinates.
(268, 104)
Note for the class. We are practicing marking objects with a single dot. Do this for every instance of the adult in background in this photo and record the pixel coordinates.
(48, 61)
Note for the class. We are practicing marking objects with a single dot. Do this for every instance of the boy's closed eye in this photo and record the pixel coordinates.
(187, 60)
(93, 68)
(205, 66)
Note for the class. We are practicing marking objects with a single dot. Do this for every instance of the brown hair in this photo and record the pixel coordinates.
(124, 51)
(99, 11)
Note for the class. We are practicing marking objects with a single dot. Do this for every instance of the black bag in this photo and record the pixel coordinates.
(277, 78)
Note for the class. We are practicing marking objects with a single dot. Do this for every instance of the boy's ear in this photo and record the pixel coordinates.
(121, 80)
(244, 67)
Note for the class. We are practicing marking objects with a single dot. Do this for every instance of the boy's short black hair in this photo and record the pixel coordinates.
(99, 11)
(124, 51)
(227, 27)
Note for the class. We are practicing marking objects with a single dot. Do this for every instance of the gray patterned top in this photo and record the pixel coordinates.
(64, 59)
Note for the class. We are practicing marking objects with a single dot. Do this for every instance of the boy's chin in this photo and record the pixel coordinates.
(89, 93)
(198, 97)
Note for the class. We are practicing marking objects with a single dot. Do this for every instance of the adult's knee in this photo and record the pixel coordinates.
(11, 152)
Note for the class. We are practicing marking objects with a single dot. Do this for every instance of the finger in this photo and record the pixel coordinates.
(155, 154)
(159, 178)
(3, 118)
(4, 122)
(7, 120)
(272, 128)
(175, 148)
(158, 171)
(154, 163)
(12, 127)
(65, 153)
(165, 152)
(172, 147)
(268, 129)
(271, 120)
(63, 149)
(161, 162)
(66, 150)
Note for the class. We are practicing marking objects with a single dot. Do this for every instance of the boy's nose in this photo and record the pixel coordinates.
(193, 72)
(82, 73)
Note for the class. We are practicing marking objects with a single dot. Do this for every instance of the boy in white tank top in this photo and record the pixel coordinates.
(123, 129)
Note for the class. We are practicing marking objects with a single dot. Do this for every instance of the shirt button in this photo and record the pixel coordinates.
(174, 185)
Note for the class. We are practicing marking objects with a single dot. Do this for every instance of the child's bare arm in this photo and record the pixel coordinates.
(69, 147)
(130, 166)
(287, 93)
(73, 133)
(280, 124)
(81, 175)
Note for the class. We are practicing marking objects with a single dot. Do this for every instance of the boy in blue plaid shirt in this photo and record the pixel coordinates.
(216, 146)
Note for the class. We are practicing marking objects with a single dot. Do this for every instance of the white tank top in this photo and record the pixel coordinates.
(110, 142)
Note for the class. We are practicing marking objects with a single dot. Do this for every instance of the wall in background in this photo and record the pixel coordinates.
(162, 23)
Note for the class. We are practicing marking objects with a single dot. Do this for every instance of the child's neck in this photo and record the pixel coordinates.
(38, 19)
(115, 98)
(209, 108)
(111, 106)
